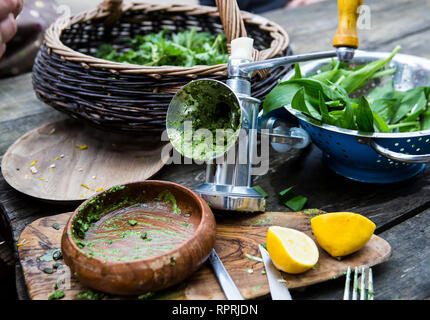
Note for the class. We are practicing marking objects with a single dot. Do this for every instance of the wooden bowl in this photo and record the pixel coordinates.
(137, 239)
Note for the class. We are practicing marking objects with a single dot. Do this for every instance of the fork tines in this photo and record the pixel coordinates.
(366, 292)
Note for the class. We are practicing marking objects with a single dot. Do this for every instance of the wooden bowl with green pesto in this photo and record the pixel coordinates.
(139, 237)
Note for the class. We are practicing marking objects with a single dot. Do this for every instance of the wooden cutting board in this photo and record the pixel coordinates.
(238, 235)
(68, 161)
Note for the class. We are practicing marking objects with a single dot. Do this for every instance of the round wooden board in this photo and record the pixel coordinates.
(74, 161)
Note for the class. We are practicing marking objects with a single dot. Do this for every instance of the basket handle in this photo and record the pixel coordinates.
(231, 19)
(397, 156)
(234, 27)
(114, 7)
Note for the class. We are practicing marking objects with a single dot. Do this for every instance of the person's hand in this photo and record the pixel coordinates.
(9, 9)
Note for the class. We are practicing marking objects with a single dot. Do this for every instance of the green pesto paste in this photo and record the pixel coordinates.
(131, 231)
(209, 122)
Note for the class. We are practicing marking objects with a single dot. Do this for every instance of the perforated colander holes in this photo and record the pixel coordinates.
(384, 162)
(413, 145)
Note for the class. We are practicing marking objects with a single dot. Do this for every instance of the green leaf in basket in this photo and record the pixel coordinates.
(186, 48)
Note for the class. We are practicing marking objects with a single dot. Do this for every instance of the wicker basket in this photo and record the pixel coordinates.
(133, 98)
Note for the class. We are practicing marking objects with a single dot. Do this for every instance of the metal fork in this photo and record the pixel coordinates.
(359, 284)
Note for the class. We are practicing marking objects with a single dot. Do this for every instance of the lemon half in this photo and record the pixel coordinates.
(342, 233)
(291, 251)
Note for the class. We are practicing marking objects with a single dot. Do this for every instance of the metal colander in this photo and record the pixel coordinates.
(377, 157)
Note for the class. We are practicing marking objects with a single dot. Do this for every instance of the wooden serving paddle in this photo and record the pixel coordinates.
(68, 161)
(238, 237)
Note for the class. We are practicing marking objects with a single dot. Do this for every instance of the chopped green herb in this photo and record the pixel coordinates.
(261, 221)
(145, 296)
(53, 254)
(56, 226)
(257, 287)
(172, 261)
(57, 265)
(48, 270)
(56, 254)
(132, 222)
(46, 257)
(57, 294)
(168, 197)
(110, 241)
(92, 295)
(253, 257)
(312, 212)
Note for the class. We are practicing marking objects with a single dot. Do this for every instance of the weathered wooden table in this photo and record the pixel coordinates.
(400, 210)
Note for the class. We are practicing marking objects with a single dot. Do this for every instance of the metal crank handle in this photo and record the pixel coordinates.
(283, 138)
(387, 153)
(345, 41)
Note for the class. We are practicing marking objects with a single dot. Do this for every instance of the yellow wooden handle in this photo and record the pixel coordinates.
(346, 35)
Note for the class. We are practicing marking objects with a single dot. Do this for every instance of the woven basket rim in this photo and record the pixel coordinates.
(52, 40)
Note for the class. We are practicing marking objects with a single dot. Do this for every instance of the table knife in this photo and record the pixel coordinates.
(224, 279)
(278, 289)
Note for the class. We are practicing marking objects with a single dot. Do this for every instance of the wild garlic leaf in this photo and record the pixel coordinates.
(364, 116)
(357, 79)
(385, 108)
(186, 48)
(281, 95)
(297, 72)
(296, 203)
(425, 120)
(379, 125)
(300, 103)
(411, 101)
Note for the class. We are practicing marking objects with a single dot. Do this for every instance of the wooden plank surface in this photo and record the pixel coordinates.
(311, 28)
(235, 239)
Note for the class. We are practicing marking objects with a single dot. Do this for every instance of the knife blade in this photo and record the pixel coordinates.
(224, 279)
(278, 289)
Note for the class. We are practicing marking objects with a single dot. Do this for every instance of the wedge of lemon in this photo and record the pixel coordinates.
(342, 233)
(291, 251)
